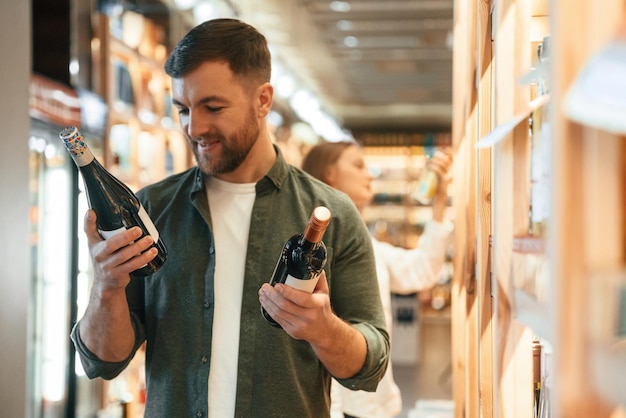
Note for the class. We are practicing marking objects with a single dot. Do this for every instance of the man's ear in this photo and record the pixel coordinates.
(265, 98)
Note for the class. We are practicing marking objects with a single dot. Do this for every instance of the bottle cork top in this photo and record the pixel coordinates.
(76, 145)
(320, 218)
(73, 140)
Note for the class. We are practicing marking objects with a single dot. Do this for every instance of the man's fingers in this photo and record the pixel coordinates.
(322, 284)
(90, 228)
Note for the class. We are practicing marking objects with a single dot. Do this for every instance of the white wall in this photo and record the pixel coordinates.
(15, 276)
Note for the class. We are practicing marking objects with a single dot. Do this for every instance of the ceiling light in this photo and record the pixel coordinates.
(203, 11)
(340, 6)
(304, 102)
(274, 118)
(450, 39)
(185, 4)
(285, 85)
(351, 41)
(74, 66)
(345, 25)
(304, 132)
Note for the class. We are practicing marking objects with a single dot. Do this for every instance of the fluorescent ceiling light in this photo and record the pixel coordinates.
(185, 4)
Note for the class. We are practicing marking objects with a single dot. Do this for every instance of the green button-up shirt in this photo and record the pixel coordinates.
(172, 310)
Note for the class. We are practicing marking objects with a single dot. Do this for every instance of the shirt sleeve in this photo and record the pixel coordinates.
(376, 360)
(415, 269)
(94, 366)
(356, 298)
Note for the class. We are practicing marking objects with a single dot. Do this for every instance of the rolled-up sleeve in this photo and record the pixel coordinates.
(93, 365)
(375, 362)
(355, 294)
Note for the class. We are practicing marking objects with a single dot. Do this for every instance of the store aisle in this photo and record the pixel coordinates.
(425, 388)
(426, 375)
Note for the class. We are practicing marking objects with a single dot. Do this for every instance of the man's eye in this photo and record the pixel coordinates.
(183, 111)
(214, 109)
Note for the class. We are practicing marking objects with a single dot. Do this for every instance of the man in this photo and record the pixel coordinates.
(209, 351)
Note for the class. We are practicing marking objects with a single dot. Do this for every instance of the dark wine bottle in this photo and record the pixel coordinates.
(116, 206)
(302, 258)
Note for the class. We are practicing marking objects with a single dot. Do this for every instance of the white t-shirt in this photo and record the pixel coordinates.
(230, 205)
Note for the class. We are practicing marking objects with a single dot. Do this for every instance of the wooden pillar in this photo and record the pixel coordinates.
(586, 223)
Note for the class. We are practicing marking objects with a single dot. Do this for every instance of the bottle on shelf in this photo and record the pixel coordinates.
(440, 297)
(537, 375)
(302, 258)
(426, 187)
(539, 135)
(428, 180)
(117, 207)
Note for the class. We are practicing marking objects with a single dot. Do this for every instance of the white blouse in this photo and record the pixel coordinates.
(400, 271)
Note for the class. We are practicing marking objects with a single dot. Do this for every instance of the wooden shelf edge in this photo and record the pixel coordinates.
(608, 370)
(528, 244)
(534, 314)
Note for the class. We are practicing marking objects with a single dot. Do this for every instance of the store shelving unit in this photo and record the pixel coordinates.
(394, 215)
(520, 278)
(143, 141)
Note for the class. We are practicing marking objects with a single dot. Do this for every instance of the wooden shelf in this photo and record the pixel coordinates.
(509, 286)
(143, 143)
(534, 314)
(396, 170)
(608, 365)
(529, 244)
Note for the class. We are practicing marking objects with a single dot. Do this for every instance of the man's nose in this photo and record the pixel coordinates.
(196, 125)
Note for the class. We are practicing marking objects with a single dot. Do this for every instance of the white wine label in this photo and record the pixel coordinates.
(305, 285)
(109, 234)
(154, 233)
(143, 215)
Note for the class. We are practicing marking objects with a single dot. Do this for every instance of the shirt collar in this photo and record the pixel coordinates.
(277, 174)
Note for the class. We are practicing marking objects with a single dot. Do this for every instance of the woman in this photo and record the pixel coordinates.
(342, 166)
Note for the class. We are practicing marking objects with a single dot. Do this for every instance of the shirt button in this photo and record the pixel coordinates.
(199, 414)
(205, 359)
(207, 304)
(211, 250)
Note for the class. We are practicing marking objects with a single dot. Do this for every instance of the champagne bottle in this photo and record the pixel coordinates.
(428, 180)
(426, 187)
(302, 258)
(116, 206)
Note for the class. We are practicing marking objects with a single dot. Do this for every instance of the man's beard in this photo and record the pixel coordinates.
(234, 150)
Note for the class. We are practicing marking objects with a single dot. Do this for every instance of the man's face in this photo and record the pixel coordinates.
(217, 117)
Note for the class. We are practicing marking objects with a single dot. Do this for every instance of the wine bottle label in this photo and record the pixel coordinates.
(143, 215)
(305, 285)
(109, 234)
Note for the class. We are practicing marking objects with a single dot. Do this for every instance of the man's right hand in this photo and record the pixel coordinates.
(115, 258)
(106, 328)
